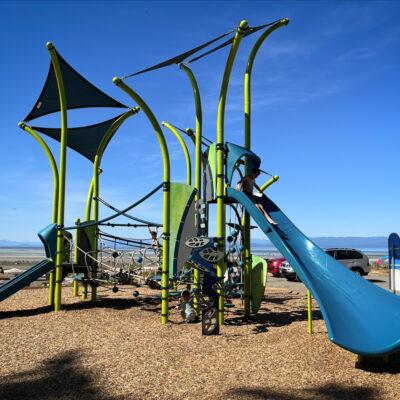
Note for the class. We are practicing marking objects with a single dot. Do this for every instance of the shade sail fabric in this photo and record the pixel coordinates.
(85, 140)
(80, 93)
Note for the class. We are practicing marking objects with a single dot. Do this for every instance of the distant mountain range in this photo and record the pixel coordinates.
(329, 241)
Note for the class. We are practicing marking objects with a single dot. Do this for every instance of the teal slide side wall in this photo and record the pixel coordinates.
(258, 282)
(360, 316)
(25, 278)
(182, 225)
(235, 153)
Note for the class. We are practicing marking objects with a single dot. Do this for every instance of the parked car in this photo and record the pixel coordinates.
(288, 272)
(274, 264)
(352, 259)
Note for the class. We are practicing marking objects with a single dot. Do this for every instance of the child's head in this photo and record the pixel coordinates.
(153, 234)
(185, 296)
(255, 172)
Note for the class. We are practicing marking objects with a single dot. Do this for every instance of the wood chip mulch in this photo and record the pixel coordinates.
(117, 349)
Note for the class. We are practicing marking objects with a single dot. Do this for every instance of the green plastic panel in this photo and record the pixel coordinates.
(182, 225)
(258, 282)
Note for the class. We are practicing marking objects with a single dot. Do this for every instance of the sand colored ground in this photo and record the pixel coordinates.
(118, 350)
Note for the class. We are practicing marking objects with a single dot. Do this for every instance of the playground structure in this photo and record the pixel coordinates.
(359, 316)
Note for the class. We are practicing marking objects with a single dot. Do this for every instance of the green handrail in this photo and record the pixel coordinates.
(185, 151)
(220, 161)
(166, 197)
(62, 173)
(247, 145)
(54, 169)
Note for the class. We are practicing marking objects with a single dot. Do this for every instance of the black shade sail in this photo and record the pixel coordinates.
(80, 93)
(183, 56)
(85, 139)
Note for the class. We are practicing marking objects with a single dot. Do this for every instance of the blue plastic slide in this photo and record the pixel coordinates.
(360, 316)
(25, 278)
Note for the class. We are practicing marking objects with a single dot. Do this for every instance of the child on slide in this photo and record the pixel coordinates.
(247, 184)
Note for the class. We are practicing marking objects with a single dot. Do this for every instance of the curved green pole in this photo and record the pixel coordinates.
(267, 184)
(89, 199)
(166, 197)
(185, 151)
(63, 165)
(247, 145)
(220, 162)
(54, 169)
(197, 141)
(96, 173)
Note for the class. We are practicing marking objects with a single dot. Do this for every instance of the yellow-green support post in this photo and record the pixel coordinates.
(185, 151)
(62, 174)
(309, 313)
(221, 190)
(247, 145)
(267, 184)
(54, 169)
(166, 196)
(88, 211)
(96, 173)
(198, 155)
(75, 290)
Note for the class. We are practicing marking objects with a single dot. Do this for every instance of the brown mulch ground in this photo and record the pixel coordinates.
(117, 349)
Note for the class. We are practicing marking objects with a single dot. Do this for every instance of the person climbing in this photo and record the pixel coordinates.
(155, 244)
(247, 185)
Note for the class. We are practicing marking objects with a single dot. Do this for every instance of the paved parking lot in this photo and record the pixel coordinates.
(379, 279)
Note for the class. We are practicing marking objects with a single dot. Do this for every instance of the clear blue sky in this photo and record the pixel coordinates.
(326, 93)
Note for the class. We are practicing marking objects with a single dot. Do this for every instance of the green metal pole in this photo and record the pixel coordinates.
(220, 162)
(166, 197)
(62, 173)
(96, 173)
(267, 184)
(197, 140)
(89, 199)
(54, 169)
(247, 145)
(75, 291)
(185, 151)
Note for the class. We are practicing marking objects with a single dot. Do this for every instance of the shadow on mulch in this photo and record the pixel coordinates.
(270, 319)
(60, 378)
(325, 392)
(114, 303)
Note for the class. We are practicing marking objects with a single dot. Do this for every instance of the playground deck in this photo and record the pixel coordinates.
(119, 351)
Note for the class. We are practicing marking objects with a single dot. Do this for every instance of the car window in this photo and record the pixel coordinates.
(341, 255)
(354, 254)
(331, 253)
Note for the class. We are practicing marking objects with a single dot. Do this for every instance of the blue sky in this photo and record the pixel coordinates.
(326, 93)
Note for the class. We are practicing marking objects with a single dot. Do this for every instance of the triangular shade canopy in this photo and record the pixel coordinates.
(85, 139)
(80, 93)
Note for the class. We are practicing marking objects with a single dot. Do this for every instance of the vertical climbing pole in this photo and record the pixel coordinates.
(247, 145)
(55, 195)
(198, 155)
(220, 161)
(62, 171)
(96, 173)
(166, 195)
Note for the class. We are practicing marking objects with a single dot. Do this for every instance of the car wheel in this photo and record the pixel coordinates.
(357, 271)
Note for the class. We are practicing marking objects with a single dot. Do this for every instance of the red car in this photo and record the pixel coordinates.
(274, 264)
